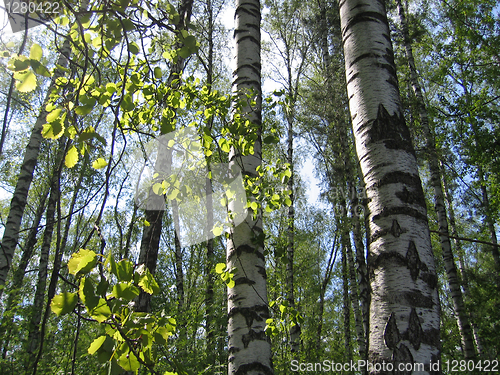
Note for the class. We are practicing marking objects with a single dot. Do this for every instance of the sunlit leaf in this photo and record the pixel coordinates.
(128, 361)
(71, 157)
(26, 81)
(96, 344)
(101, 312)
(125, 291)
(82, 262)
(63, 303)
(99, 163)
(146, 280)
(220, 267)
(36, 52)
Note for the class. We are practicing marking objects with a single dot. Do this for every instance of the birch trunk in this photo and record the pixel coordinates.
(18, 276)
(435, 172)
(249, 347)
(404, 308)
(20, 197)
(33, 338)
(461, 263)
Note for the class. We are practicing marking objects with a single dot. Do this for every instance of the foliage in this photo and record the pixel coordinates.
(131, 338)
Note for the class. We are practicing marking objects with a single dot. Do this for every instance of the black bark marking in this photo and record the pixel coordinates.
(416, 298)
(415, 331)
(364, 17)
(402, 355)
(396, 229)
(243, 280)
(413, 261)
(253, 335)
(391, 333)
(245, 249)
(255, 366)
(391, 130)
(258, 313)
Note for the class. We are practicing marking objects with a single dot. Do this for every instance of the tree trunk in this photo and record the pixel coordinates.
(346, 307)
(33, 337)
(404, 307)
(249, 347)
(20, 197)
(449, 262)
(150, 242)
(461, 262)
(18, 276)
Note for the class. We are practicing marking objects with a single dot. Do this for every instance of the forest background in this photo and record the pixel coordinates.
(93, 283)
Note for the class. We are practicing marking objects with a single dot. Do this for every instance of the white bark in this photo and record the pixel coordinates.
(404, 309)
(249, 347)
(449, 262)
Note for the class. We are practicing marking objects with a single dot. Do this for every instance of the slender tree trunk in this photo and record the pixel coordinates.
(60, 251)
(491, 224)
(461, 263)
(346, 307)
(249, 347)
(150, 242)
(451, 270)
(209, 262)
(18, 276)
(20, 197)
(295, 329)
(33, 337)
(404, 308)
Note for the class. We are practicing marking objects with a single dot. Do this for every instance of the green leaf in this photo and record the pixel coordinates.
(99, 163)
(220, 267)
(26, 81)
(96, 344)
(146, 280)
(53, 131)
(82, 262)
(39, 68)
(63, 303)
(133, 48)
(161, 335)
(36, 52)
(83, 110)
(125, 291)
(101, 312)
(128, 361)
(124, 270)
(102, 287)
(87, 293)
(54, 115)
(71, 157)
(231, 283)
(158, 73)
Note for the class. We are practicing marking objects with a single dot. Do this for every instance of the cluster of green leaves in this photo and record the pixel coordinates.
(131, 338)
(289, 317)
(226, 274)
(24, 68)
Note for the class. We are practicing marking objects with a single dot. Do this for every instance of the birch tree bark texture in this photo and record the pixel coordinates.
(404, 307)
(249, 347)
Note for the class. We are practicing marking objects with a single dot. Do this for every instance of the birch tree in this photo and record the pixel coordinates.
(404, 308)
(249, 347)
(440, 207)
(20, 197)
